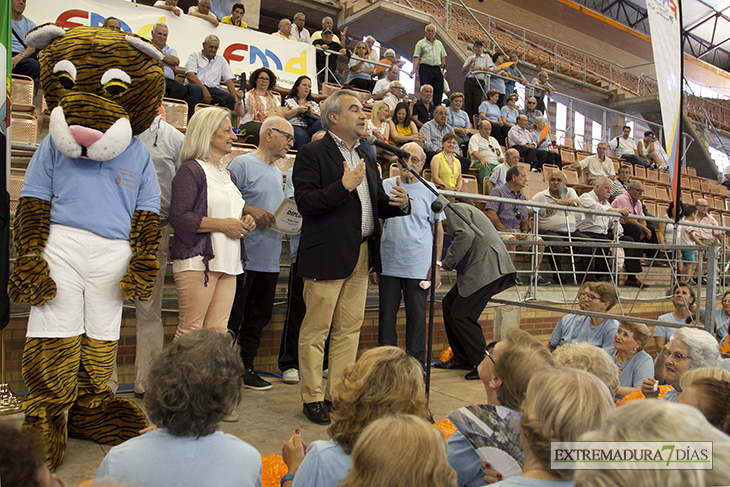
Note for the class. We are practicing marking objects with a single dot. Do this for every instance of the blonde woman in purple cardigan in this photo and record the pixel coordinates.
(208, 215)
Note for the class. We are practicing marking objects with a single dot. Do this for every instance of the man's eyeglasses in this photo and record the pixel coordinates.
(518, 214)
(495, 150)
(289, 137)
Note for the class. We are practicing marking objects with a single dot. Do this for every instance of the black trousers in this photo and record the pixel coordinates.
(556, 244)
(175, 90)
(391, 289)
(529, 153)
(473, 94)
(251, 311)
(28, 66)
(633, 256)
(296, 309)
(461, 320)
(431, 75)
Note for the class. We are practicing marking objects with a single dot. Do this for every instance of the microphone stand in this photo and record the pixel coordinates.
(437, 207)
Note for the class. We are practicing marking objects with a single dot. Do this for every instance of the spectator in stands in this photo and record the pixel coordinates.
(328, 24)
(173, 89)
(112, 23)
(194, 384)
(212, 69)
(540, 87)
(511, 220)
(383, 381)
(514, 74)
(236, 17)
(298, 31)
(689, 349)
(496, 81)
(628, 351)
(659, 422)
(725, 178)
(22, 460)
(260, 102)
(596, 165)
(395, 94)
(706, 236)
(383, 85)
(487, 270)
(597, 297)
(509, 112)
(531, 112)
(390, 57)
(590, 358)
(360, 72)
(505, 372)
(386, 455)
(372, 53)
(520, 138)
(164, 143)
(429, 58)
(625, 147)
(169, 5)
(621, 183)
(484, 152)
(633, 228)
(402, 128)
(459, 120)
(434, 132)
(489, 110)
(378, 127)
(207, 252)
(262, 188)
(665, 231)
(722, 316)
(326, 41)
(549, 414)
(474, 81)
(25, 59)
(499, 174)
(423, 109)
(302, 111)
(684, 300)
(445, 167)
(602, 227)
(284, 31)
(645, 151)
(711, 396)
(545, 143)
(559, 226)
(687, 236)
(202, 10)
(402, 239)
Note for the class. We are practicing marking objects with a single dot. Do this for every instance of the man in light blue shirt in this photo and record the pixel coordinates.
(23, 61)
(262, 188)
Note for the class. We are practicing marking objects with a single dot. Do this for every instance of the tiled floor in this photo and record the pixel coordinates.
(268, 418)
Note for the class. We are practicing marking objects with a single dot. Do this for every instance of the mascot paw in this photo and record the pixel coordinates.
(140, 278)
(53, 433)
(31, 281)
(109, 424)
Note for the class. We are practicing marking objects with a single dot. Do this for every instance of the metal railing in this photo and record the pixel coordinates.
(716, 258)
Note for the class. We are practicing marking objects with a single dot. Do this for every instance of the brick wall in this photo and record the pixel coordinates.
(536, 322)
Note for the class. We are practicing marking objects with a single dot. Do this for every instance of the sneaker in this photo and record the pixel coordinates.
(325, 373)
(251, 380)
(541, 281)
(290, 376)
(518, 280)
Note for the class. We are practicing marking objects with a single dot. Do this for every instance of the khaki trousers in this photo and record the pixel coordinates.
(341, 304)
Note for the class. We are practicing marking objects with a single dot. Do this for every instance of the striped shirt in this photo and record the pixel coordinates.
(510, 215)
(428, 53)
(367, 222)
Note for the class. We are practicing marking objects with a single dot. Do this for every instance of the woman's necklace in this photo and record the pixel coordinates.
(217, 171)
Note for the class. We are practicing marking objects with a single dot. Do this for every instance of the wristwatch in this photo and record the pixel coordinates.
(439, 263)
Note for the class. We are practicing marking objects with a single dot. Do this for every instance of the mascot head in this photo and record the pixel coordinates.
(103, 87)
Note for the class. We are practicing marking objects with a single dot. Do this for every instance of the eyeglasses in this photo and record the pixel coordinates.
(556, 180)
(589, 296)
(487, 354)
(263, 79)
(495, 150)
(532, 103)
(676, 355)
(518, 214)
(640, 191)
(289, 137)
(703, 206)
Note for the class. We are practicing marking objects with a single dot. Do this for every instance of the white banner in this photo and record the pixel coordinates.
(665, 24)
(244, 49)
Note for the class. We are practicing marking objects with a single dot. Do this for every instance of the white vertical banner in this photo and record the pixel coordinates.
(244, 49)
(665, 24)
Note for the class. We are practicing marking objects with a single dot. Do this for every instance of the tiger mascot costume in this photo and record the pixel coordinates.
(86, 231)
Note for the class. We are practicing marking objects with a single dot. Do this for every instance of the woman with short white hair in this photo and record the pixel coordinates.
(689, 349)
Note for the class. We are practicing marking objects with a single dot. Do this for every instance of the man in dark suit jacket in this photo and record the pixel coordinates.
(340, 196)
(488, 271)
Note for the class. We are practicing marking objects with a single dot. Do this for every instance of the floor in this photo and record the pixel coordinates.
(268, 418)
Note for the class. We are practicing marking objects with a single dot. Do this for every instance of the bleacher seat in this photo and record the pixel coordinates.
(176, 113)
(24, 128)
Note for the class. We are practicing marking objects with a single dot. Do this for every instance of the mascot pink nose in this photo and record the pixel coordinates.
(84, 135)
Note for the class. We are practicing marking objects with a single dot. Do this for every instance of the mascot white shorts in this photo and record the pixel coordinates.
(87, 269)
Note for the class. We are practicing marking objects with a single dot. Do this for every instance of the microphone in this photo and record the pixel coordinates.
(372, 140)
